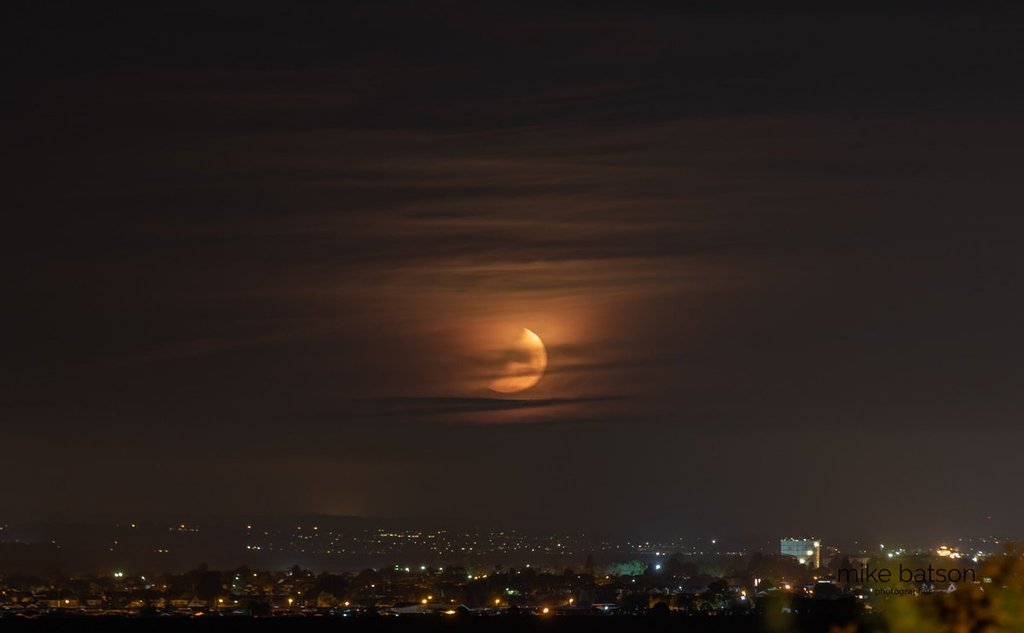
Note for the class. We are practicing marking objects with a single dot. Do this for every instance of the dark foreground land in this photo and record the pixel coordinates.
(497, 624)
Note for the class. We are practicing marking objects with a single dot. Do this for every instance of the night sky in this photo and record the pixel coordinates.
(265, 260)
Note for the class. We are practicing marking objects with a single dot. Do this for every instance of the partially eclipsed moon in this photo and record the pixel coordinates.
(525, 365)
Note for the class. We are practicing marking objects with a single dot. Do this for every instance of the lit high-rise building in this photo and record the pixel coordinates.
(805, 550)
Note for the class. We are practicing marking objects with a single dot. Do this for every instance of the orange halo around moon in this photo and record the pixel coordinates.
(526, 365)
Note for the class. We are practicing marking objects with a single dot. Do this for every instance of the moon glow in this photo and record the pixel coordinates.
(524, 364)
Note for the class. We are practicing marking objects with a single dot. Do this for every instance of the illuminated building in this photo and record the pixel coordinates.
(805, 550)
